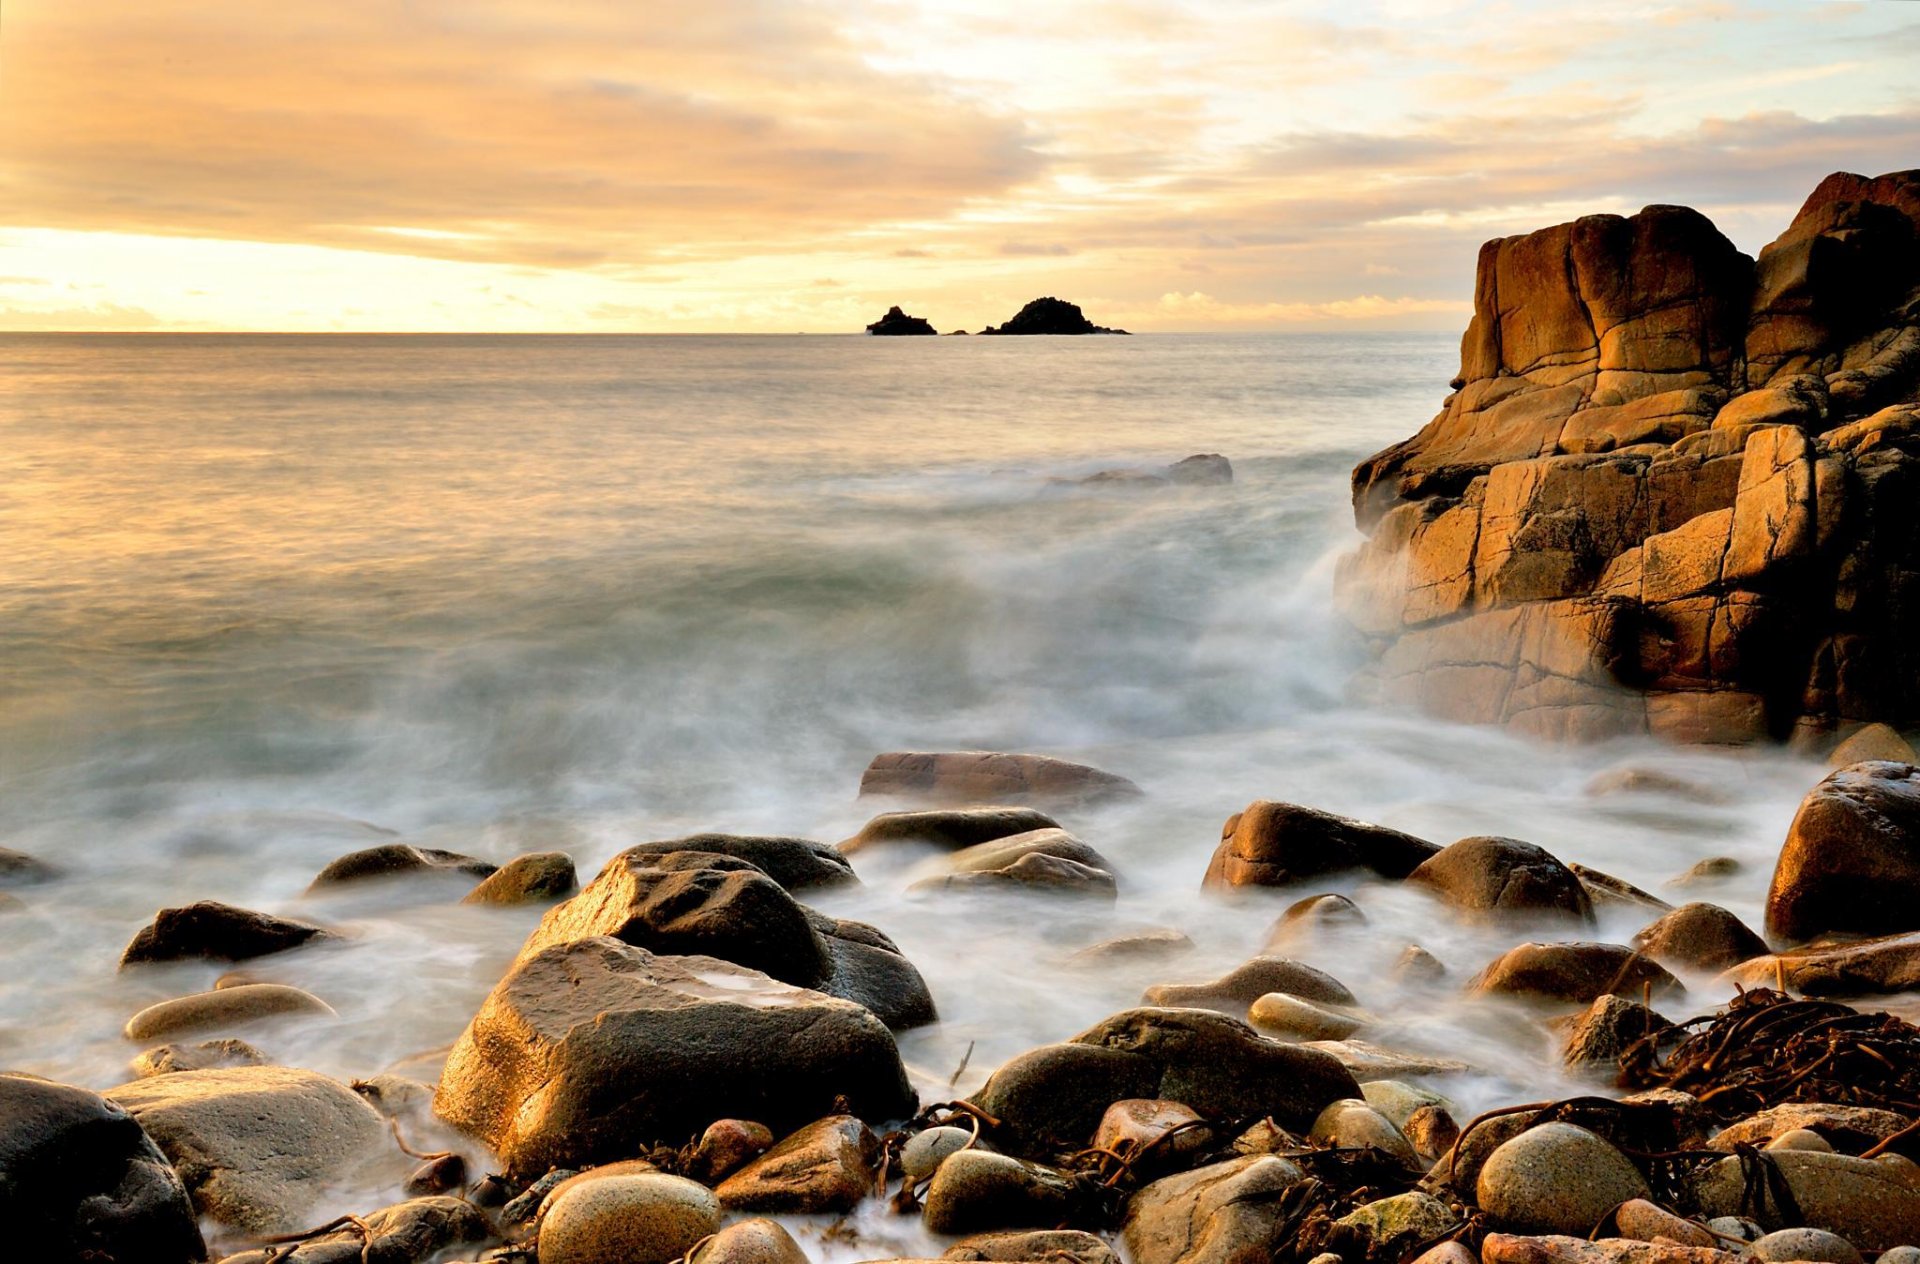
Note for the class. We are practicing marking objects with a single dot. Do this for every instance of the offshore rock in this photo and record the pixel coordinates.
(1235, 991)
(1050, 316)
(535, 878)
(588, 1051)
(798, 864)
(1579, 973)
(1699, 936)
(216, 932)
(897, 323)
(398, 860)
(1055, 1096)
(80, 1179)
(1047, 860)
(1673, 491)
(1277, 844)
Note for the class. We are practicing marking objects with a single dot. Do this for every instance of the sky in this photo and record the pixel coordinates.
(786, 166)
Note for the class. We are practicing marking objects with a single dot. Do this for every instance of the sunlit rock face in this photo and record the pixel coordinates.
(1676, 490)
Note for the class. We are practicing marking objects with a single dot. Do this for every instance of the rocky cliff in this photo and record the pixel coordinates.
(1675, 490)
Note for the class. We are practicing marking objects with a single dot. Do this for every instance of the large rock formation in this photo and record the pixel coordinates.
(1674, 488)
(1050, 316)
(897, 323)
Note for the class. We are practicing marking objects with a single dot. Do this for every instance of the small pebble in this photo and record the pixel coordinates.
(1800, 1139)
(925, 1150)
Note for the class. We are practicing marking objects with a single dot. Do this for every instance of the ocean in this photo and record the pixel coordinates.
(268, 599)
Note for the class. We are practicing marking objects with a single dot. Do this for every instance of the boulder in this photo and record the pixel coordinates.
(1504, 878)
(538, 877)
(1054, 1096)
(216, 932)
(1699, 936)
(1873, 1203)
(973, 1191)
(827, 1166)
(1062, 1246)
(1291, 1018)
(1596, 1039)
(1050, 316)
(1278, 844)
(706, 904)
(412, 1232)
(1235, 991)
(798, 864)
(1556, 1178)
(950, 829)
(1851, 1128)
(1312, 920)
(80, 1179)
(398, 860)
(223, 1007)
(1047, 861)
(1221, 1214)
(207, 1055)
(1783, 1245)
(984, 777)
(648, 1218)
(1851, 861)
(18, 869)
(756, 1241)
(1580, 973)
(1202, 469)
(897, 323)
(1873, 743)
(1874, 966)
(589, 1050)
(258, 1147)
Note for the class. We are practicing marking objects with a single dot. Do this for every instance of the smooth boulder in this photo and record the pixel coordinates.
(1578, 972)
(398, 860)
(974, 1191)
(1556, 1178)
(536, 877)
(648, 1218)
(950, 829)
(1225, 1213)
(1505, 879)
(214, 931)
(1239, 988)
(1872, 1203)
(1699, 936)
(588, 1050)
(1851, 860)
(1272, 844)
(983, 777)
(1046, 861)
(798, 864)
(223, 1007)
(80, 1179)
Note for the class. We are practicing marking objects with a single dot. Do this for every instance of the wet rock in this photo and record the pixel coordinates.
(1055, 1095)
(1805, 1244)
(1851, 861)
(1277, 844)
(1604, 890)
(922, 1155)
(1234, 992)
(446, 1174)
(1062, 1246)
(1290, 1018)
(223, 1007)
(397, 860)
(1313, 920)
(1873, 1203)
(1639, 780)
(406, 1233)
(1389, 1225)
(1504, 878)
(1048, 860)
(1202, 469)
(1374, 1062)
(1220, 1214)
(80, 1179)
(395, 1096)
(18, 869)
(650, 1218)
(756, 1241)
(1416, 967)
(1150, 945)
(984, 777)
(897, 323)
(827, 1166)
(1398, 1101)
(1699, 936)
(1872, 743)
(1849, 1128)
(1899, 1255)
(1504, 1248)
(257, 1147)
(1556, 1178)
(1800, 1139)
(1431, 1131)
(1353, 1124)
(798, 864)
(1736, 1228)
(526, 1205)
(1713, 869)
(1448, 1253)
(1170, 1131)
(1872, 966)
(1458, 1173)
(588, 1050)
(216, 932)
(1595, 1040)
(535, 878)
(1645, 1222)
(706, 904)
(948, 828)
(973, 1191)
(727, 1146)
(205, 1056)
(1581, 972)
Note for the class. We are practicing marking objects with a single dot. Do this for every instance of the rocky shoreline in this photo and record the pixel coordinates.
(688, 1061)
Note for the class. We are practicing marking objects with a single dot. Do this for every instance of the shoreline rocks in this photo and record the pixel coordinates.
(214, 931)
(1277, 844)
(987, 777)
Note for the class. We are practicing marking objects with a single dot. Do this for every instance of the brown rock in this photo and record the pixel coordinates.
(797, 864)
(1849, 1129)
(1045, 861)
(1596, 1039)
(948, 828)
(216, 932)
(223, 1007)
(1699, 936)
(1277, 844)
(205, 1056)
(1648, 1222)
(1851, 861)
(1873, 743)
(1220, 1214)
(1504, 878)
(1232, 993)
(726, 1146)
(827, 1166)
(1869, 967)
(986, 777)
(536, 877)
(1504, 1248)
(396, 860)
(1581, 972)
(1061, 1246)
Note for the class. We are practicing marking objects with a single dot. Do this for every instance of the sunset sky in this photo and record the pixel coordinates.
(770, 165)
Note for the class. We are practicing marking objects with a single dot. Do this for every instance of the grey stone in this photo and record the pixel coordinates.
(1556, 1178)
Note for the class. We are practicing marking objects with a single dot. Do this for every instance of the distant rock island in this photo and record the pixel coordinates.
(1051, 316)
(897, 324)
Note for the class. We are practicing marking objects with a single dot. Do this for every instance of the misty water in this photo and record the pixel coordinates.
(266, 600)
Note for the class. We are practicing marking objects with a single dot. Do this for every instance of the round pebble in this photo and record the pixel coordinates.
(923, 1153)
(1800, 1139)
(1805, 1244)
(1899, 1255)
(1278, 1013)
(1557, 1178)
(651, 1218)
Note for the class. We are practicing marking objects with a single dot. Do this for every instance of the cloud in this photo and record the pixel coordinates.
(1200, 309)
